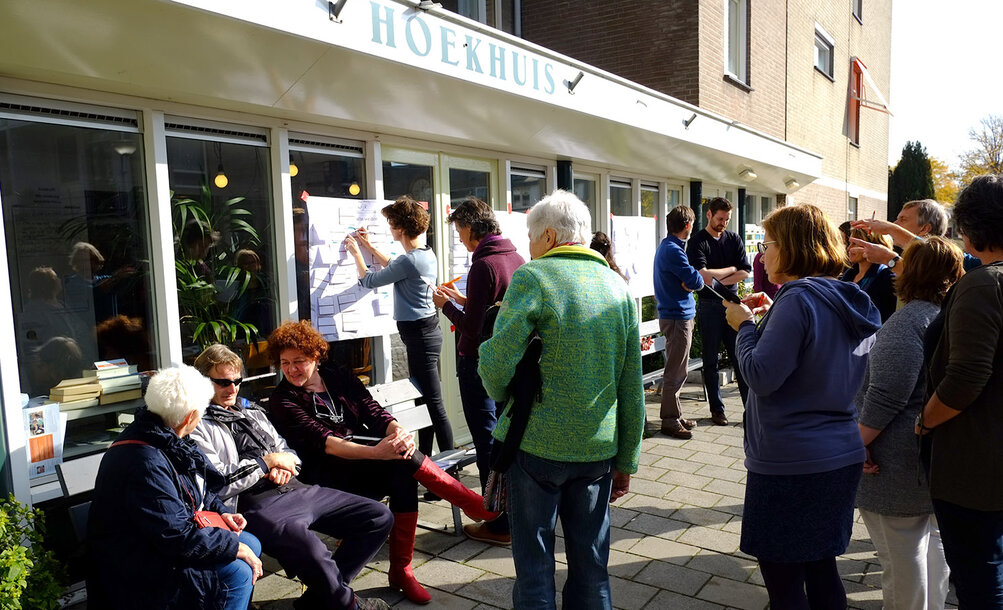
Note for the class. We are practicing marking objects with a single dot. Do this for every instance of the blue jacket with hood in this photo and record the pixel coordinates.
(144, 548)
(804, 363)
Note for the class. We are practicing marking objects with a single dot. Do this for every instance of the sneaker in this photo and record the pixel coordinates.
(678, 431)
(481, 533)
(689, 424)
(370, 603)
(719, 419)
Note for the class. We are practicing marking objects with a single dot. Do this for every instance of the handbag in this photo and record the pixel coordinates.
(208, 518)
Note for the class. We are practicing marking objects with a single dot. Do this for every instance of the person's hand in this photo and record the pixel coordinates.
(878, 227)
(279, 476)
(245, 553)
(685, 287)
(450, 291)
(873, 253)
(758, 303)
(281, 459)
(403, 441)
(439, 298)
(362, 234)
(737, 314)
(236, 521)
(869, 466)
(621, 485)
(352, 246)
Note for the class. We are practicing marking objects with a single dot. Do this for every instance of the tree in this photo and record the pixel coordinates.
(987, 155)
(911, 179)
(945, 182)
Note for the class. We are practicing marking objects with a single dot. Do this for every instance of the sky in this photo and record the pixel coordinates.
(944, 74)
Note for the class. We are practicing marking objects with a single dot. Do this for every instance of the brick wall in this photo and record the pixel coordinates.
(651, 42)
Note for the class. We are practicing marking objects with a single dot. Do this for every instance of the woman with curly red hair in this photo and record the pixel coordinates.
(319, 408)
(413, 275)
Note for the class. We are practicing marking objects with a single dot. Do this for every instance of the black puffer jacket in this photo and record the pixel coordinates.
(144, 548)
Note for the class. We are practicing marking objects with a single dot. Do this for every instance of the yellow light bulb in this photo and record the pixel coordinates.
(293, 170)
(221, 180)
(354, 189)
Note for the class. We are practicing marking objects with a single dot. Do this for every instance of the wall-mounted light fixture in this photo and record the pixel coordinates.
(125, 148)
(428, 4)
(293, 168)
(334, 10)
(574, 83)
(220, 180)
(748, 175)
(354, 189)
(686, 122)
(791, 184)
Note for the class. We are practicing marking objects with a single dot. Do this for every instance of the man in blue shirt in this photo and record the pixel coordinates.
(719, 256)
(675, 281)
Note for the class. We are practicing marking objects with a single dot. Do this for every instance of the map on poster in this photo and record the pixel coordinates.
(634, 244)
(339, 307)
(513, 228)
(44, 428)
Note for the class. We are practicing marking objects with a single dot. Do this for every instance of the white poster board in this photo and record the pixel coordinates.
(339, 306)
(634, 244)
(45, 428)
(513, 227)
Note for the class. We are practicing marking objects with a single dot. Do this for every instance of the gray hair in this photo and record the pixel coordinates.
(565, 214)
(929, 212)
(175, 392)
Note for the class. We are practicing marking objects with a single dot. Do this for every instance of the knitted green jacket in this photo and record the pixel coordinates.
(593, 399)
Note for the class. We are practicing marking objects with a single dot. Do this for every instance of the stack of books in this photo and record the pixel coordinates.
(119, 381)
(76, 393)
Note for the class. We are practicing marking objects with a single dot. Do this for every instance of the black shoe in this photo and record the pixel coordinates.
(430, 497)
(370, 603)
(719, 419)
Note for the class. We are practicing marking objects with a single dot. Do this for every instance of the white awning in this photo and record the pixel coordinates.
(870, 95)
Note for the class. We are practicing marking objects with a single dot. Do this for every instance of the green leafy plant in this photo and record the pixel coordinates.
(210, 284)
(29, 574)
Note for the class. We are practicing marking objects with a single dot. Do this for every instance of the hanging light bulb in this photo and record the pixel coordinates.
(293, 168)
(354, 189)
(221, 180)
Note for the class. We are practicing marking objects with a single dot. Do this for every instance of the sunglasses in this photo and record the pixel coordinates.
(225, 383)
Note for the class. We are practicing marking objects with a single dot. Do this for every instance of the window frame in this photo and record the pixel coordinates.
(857, 8)
(740, 73)
(823, 39)
(853, 99)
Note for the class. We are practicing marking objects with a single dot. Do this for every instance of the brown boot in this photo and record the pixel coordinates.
(437, 481)
(401, 551)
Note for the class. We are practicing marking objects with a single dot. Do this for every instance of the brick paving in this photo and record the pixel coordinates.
(674, 544)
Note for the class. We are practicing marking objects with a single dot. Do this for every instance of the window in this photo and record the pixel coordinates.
(736, 39)
(500, 14)
(620, 201)
(585, 189)
(851, 209)
(823, 52)
(221, 212)
(853, 116)
(649, 200)
(76, 219)
(858, 10)
(528, 186)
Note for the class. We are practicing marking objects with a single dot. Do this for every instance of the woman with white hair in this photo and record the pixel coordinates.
(583, 436)
(145, 546)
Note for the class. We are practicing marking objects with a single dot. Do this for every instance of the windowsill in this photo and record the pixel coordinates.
(734, 80)
(858, 18)
(824, 74)
(855, 144)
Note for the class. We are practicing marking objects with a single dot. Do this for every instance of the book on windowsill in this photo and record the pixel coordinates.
(105, 369)
(73, 405)
(75, 389)
(107, 399)
(119, 384)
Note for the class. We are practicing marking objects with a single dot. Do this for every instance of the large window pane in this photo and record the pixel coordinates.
(76, 221)
(224, 255)
(585, 189)
(528, 187)
(649, 200)
(620, 202)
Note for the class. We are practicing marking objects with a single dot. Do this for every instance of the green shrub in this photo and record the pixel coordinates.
(29, 574)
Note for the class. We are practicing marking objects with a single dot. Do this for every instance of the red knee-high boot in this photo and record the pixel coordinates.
(437, 481)
(401, 551)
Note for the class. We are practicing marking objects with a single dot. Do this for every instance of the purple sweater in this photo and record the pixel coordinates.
(494, 261)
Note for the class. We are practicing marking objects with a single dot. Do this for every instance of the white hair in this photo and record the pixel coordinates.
(565, 214)
(175, 392)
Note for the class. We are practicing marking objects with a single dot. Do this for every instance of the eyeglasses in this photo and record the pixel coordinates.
(761, 246)
(225, 383)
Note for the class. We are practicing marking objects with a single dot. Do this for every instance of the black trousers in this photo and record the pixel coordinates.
(423, 341)
(285, 524)
(376, 479)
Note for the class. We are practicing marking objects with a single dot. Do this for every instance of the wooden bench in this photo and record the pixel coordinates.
(404, 401)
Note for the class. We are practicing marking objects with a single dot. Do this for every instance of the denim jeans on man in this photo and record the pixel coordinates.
(236, 579)
(973, 545)
(714, 329)
(540, 490)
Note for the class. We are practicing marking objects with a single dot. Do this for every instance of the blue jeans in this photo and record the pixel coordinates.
(714, 329)
(478, 410)
(540, 490)
(236, 580)
(973, 546)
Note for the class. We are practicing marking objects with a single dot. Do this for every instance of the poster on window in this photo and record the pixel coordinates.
(339, 306)
(513, 227)
(634, 243)
(44, 428)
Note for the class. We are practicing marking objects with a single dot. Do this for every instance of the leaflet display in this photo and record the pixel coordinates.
(339, 306)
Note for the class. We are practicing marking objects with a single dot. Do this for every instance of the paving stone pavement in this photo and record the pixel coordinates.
(674, 538)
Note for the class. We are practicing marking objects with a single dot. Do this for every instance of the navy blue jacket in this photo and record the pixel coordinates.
(672, 270)
(144, 548)
(804, 364)
(879, 284)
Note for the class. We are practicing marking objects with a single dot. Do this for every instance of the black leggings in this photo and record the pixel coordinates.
(423, 342)
(374, 479)
(814, 585)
